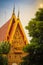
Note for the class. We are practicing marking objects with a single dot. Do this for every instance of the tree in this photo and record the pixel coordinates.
(35, 48)
(3, 60)
(39, 14)
(4, 49)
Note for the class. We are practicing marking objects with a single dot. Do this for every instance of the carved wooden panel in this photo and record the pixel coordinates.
(18, 43)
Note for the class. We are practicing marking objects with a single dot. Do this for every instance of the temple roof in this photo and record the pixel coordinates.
(7, 31)
(5, 27)
(3, 30)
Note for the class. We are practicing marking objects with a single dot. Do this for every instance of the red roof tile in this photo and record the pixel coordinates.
(3, 31)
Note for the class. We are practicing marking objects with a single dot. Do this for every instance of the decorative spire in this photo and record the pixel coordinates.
(14, 10)
(18, 13)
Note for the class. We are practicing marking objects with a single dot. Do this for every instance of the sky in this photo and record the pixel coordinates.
(27, 9)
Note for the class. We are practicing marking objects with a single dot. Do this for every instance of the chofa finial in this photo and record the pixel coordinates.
(14, 9)
(18, 13)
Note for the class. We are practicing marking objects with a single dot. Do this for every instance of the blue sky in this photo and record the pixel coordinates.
(27, 10)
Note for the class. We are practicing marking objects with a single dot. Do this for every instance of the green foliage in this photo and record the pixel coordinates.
(35, 48)
(4, 47)
(3, 60)
(39, 14)
(35, 54)
(35, 29)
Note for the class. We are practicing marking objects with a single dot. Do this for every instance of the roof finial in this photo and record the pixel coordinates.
(18, 13)
(14, 9)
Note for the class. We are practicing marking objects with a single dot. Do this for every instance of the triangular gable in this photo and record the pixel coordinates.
(7, 31)
(14, 29)
(11, 28)
(21, 27)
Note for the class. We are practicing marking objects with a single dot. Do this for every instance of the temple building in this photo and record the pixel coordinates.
(13, 32)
